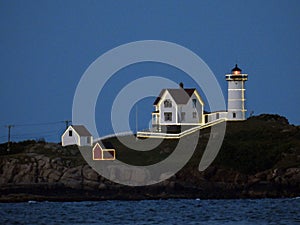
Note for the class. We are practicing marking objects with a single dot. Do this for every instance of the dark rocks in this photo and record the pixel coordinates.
(39, 172)
(73, 178)
(90, 174)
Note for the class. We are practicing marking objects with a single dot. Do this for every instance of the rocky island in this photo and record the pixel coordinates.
(259, 158)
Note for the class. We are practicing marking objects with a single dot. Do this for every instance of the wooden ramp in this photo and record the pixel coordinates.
(151, 134)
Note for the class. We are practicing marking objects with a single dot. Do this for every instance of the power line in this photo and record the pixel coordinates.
(67, 122)
(52, 133)
(18, 135)
(37, 124)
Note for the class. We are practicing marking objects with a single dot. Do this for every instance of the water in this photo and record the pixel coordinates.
(264, 211)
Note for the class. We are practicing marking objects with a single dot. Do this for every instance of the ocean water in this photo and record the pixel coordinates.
(179, 211)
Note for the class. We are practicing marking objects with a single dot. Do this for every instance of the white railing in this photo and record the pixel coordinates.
(152, 134)
(121, 134)
(179, 135)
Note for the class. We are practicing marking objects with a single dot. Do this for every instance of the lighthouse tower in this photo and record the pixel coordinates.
(236, 94)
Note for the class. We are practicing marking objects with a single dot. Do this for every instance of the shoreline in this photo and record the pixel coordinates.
(212, 191)
(38, 199)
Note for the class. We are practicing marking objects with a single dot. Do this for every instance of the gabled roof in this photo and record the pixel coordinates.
(180, 95)
(81, 130)
(159, 97)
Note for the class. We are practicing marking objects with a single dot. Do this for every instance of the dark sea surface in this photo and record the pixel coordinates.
(180, 211)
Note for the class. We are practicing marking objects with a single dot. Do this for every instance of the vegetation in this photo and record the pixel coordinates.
(260, 143)
(22, 151)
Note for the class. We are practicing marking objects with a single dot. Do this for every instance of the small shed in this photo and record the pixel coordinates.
(103, 154)
(77, 135)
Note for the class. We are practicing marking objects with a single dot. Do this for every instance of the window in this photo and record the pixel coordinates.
(168, 116)
(182, 116)
(194, 115)
(88, 140)
(194, 103)
(206, 118)
(217, 116)
(167, 103)
(70, 133)
(234, 115)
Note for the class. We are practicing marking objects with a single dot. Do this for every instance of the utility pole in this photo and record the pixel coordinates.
(136, 121)
(136, 118)
(67, 123)
(8, 136)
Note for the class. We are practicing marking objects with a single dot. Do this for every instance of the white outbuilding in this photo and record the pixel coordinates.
(77, 135)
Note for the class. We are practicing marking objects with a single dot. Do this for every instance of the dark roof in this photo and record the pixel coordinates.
(81, 130)
(236, 68)
(180, 95)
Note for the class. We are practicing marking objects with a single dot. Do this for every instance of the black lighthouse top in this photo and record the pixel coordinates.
(236, 75)
(236, 70)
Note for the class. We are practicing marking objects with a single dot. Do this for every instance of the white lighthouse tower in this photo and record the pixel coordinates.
(236, 94)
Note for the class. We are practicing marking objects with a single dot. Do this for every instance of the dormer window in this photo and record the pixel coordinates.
(168, 103)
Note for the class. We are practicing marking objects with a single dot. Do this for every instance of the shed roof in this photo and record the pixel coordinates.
(81, 130)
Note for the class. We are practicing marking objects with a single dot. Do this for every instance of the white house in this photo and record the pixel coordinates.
(77, 135)
(177, 107)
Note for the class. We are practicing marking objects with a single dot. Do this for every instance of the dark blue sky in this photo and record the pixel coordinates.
(45, 47)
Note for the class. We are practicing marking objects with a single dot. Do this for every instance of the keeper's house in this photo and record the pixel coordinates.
(177, 107)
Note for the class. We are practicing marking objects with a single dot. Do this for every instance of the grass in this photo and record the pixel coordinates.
(260, 143)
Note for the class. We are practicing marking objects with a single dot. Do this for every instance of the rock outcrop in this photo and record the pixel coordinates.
(40, 177)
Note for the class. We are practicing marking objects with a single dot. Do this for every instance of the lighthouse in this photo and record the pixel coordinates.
(236, 94)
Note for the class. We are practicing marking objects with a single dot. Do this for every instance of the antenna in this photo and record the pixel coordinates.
(236, 59)
(136, 120)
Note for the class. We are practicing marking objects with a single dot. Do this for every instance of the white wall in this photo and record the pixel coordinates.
(189, 109)
(176, 111)
(240, 115)
(172, 110)
(84, 141)
(70, 140)
(236, 100)
(215, 116)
